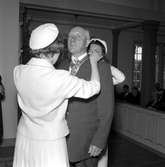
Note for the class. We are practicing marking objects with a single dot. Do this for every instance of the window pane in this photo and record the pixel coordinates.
(140, 50)
(137, 66)
(139, 57)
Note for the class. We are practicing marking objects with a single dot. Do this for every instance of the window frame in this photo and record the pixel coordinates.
(137, 43)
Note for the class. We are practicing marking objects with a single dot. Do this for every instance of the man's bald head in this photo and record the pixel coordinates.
(81, 30)
(78, 40)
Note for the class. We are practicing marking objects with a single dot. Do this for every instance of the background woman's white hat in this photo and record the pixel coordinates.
(101, 41)
(43, 36)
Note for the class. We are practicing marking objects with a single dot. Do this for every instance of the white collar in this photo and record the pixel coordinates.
(40, 62)
(80, 57)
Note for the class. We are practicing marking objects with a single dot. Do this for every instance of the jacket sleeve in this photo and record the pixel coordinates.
(74, 86)
(117, 75)
(105, 106)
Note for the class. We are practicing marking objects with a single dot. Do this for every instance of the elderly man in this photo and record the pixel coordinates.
(89, 120)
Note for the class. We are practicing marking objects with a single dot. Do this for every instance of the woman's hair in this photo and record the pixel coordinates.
(97, 42)
(55, 47)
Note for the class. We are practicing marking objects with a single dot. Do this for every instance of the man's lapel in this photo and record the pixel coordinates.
(76, 64)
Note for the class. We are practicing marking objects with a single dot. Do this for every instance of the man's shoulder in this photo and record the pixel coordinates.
(104, 63)
(104, 67)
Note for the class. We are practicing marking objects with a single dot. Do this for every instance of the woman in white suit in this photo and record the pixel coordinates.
(99, 47)
(43, 93)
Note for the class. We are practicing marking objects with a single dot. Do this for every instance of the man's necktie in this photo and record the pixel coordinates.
(74, 66)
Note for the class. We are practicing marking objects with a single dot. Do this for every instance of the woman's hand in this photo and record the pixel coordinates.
(94, 57)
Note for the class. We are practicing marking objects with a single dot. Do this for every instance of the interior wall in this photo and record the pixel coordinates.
(129, 11)
(161, 5)
(126, 54)
(145, 4)
(154, 5)
(161, 38)
(9, 21)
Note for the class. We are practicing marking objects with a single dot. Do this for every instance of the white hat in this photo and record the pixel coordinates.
(101, 41)
(43, 36)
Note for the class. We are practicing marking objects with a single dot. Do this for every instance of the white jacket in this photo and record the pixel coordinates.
(43, 94)
(117, 75)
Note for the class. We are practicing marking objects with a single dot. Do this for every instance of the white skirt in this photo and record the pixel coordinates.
(37, 153)
(103, 161)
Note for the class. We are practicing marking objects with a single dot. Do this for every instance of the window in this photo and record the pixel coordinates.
(137, 65)
(137, 68)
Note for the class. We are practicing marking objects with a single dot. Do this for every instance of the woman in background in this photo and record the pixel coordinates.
(98, 47)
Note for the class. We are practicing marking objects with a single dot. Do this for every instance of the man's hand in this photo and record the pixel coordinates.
(94, 151)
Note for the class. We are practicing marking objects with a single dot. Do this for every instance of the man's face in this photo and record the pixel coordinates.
(77, 41)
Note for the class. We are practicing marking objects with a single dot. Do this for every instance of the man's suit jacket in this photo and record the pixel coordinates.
(90, 120)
